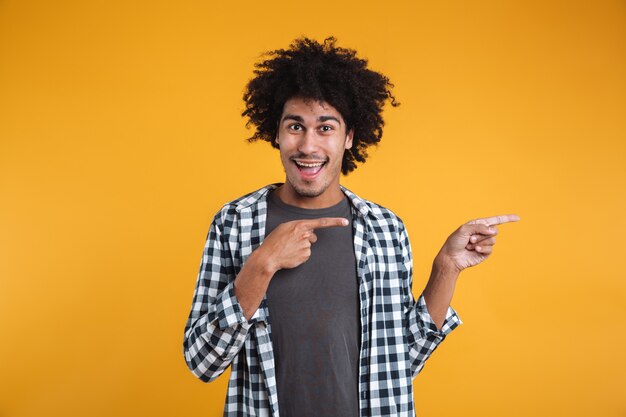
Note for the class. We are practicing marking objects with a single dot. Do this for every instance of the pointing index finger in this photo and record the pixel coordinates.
(503, 218)
(325, 222)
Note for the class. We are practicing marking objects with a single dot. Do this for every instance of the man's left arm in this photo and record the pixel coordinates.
(431, 318)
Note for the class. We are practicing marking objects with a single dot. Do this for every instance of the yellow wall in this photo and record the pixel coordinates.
(121, 136)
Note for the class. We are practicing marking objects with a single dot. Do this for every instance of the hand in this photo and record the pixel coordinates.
(289, 245)
(473, 242)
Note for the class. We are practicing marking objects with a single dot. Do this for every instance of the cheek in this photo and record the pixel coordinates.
(341, 151)
(283, 147)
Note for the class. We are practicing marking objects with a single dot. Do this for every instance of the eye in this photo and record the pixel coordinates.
(295, 126)
(326, 128)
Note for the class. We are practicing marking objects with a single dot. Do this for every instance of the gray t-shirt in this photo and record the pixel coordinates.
(314, 316)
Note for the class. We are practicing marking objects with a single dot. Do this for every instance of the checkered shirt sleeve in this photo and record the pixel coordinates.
(216, 328)
(423, 335)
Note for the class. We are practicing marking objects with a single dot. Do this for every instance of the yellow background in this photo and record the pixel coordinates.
(121, 136)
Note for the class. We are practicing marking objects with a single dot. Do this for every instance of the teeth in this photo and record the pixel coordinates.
(302, 164)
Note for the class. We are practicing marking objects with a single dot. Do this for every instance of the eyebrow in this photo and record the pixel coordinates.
(301, 120)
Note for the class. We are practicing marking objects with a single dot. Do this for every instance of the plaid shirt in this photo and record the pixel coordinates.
(397, 333)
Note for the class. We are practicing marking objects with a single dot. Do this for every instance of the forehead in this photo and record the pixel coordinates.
(309, 108)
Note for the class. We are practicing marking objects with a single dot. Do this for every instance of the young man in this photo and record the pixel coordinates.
(305, 288)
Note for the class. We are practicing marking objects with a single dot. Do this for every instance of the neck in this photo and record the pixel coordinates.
(330, 197)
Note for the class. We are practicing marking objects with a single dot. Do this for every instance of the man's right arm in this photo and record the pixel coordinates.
(288, 246)
(222, 307)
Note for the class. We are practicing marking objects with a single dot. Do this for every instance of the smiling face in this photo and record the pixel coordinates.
(312, 139)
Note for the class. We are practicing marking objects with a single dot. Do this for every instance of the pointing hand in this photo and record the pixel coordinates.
(473, 242)
(289, 245)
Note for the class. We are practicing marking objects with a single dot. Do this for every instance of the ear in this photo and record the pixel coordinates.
(349, 136)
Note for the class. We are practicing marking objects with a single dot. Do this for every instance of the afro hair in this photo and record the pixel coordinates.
(325, 73)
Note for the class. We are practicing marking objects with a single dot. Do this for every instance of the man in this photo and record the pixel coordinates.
(305, 288)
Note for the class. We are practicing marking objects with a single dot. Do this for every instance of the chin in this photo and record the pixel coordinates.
(308, 191)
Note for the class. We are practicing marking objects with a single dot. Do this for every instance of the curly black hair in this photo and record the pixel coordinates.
(322, 72)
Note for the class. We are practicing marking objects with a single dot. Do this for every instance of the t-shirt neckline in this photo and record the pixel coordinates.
(307, 211)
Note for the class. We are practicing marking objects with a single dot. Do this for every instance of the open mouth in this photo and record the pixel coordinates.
(309, 168)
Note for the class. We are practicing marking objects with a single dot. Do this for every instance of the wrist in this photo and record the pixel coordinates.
(263, 262)
(445, 266)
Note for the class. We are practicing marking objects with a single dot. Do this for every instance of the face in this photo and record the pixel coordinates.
(312, 139)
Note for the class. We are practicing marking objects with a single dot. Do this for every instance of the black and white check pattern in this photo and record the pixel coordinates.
(397, 333)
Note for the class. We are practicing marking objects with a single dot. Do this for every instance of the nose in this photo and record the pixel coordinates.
(308, 143)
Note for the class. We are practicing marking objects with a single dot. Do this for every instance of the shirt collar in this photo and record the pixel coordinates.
(361, 206)
(254, 197)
